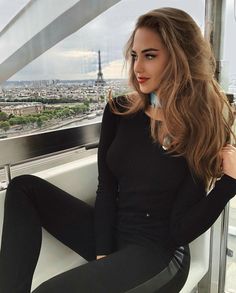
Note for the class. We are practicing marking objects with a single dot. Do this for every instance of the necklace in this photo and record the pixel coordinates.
(154, 100)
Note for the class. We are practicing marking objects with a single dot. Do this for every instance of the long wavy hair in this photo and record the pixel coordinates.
(196, 114)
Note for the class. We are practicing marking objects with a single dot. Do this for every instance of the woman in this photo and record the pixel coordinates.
(160, 149)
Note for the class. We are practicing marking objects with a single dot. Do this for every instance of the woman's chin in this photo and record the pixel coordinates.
(147, 89)
(144, 91)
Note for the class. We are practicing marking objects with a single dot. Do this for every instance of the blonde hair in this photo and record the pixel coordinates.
(192, 100)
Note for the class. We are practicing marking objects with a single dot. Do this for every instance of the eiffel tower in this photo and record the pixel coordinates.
(100, 81)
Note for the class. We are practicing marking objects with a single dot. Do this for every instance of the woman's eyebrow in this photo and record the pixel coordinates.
(146, 50)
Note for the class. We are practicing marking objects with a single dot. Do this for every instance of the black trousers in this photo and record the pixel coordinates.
(32, 203)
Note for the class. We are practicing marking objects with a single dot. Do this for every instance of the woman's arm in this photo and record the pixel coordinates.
(105, 204)
(228, 154)
(194, 212)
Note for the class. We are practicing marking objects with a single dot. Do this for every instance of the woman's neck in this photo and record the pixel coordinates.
(156, 114)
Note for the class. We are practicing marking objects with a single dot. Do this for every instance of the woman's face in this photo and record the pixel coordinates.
(150, 59)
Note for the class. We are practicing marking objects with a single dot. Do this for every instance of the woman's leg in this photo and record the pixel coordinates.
(133, 269)
(32, 203)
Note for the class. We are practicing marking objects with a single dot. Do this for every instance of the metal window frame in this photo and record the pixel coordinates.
(30, 147)
(214, 33)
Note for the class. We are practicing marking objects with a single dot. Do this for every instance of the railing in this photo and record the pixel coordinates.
(30, 147)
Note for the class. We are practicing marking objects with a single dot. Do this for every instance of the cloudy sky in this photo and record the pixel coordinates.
(76, 56)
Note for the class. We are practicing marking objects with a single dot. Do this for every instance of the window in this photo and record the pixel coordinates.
(58, 89)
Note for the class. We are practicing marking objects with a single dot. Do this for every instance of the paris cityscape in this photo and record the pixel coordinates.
(40, 105)
(29, 106)
(32, 106)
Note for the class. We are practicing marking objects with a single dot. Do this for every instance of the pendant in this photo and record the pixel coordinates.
(166, 143)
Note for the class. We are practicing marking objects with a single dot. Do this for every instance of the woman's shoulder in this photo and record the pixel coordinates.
(122, 102)
(126, 98)
(119, 101)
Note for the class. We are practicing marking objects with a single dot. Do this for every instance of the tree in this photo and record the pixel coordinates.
(43, 117)
(87, 103)
(66, 112)
(77, 109)
(39, 122)
(32, 119)
(3, 116)
(13, 121)
(4, 125)
(21, 119)
(84, 108)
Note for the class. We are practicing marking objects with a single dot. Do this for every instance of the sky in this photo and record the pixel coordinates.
(76, 56)
(8, 9)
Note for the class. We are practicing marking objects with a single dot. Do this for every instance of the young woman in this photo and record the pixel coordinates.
(160, 150)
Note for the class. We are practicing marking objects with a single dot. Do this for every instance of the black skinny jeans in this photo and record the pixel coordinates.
(32, 203)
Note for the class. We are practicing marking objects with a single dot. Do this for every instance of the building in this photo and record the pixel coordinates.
(23, 109)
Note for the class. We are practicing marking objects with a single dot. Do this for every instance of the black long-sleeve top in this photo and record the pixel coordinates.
(145, 195)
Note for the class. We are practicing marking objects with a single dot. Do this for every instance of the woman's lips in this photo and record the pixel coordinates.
(142, 79)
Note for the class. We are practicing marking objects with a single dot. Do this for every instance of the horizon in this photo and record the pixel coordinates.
(75, 57)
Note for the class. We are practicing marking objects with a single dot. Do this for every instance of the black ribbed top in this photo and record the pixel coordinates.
(145, 195)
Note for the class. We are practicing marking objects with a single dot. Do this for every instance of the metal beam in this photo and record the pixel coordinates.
(64, 25)
(214, 32)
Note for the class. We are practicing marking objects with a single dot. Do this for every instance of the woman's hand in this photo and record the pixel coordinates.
(100, 256)
(228, 154)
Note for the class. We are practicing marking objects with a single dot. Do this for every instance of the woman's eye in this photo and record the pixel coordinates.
(134, 56)
(150, 57)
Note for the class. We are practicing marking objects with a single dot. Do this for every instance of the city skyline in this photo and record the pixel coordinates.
(76, 56)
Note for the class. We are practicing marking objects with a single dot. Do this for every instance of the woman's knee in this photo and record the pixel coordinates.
(23, 181)
(49, 286)
(23, 184)
(42, 289)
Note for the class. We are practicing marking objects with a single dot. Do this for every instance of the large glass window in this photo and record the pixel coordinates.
(58, 89)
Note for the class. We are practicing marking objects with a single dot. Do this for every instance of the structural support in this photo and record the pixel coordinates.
(223, 249)
(7, 170)
(214, 32)
(68, 22)
(204, 285)
(213, 29)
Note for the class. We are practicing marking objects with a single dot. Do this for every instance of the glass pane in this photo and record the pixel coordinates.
(61, 82)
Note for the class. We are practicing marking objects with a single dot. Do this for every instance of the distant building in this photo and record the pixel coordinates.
(23, 109)
(100, 81)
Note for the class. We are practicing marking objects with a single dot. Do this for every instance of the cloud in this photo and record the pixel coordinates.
(115, 69)
(112, 70)
(78, 54)
(70, 65)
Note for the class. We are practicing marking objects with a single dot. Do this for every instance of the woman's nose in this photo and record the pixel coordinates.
(138, 65)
